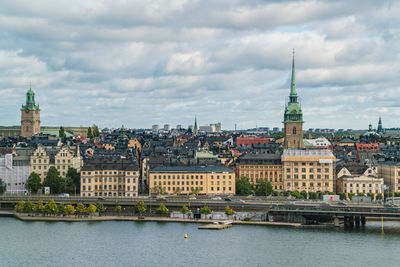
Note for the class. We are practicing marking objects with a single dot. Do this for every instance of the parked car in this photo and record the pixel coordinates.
(216, 198)
(192, 198)
(228, 199)
(64, 195)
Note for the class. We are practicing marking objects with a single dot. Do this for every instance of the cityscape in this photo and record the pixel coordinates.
(144, 126)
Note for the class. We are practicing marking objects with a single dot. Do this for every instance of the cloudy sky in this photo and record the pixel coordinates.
(140, 63)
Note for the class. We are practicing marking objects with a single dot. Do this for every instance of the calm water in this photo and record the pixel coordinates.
(162, 244)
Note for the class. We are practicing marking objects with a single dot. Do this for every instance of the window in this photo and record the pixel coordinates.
(294, 130)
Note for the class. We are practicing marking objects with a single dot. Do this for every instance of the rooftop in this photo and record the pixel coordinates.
(192, 168)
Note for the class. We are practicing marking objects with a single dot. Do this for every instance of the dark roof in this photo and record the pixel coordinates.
(110, 164)
(192, 168)
(260, 159)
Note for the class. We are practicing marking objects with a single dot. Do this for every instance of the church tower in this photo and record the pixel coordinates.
(293, 117)
(195, 130)
(30, 116)
(380, 128)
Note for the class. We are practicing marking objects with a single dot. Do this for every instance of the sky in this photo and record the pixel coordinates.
(140, 63)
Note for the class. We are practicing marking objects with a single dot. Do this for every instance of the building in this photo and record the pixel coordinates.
(208, 180)
(62, 158)
(110, 177)
(155, 128)
(261, 166)
(30, 116)
(167, 127)
(390, 172)
(380, 128)
(251, 140)
(318, 143)
(195, 130)
(308, 170)
(14, 171)
(293, 117)
(357, 178)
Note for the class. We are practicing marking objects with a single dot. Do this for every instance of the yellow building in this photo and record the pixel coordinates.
(210, 179)
(110, 178)
(261, 166)
(390, 172)
(62, 158)
(308, 170)
(358, 179)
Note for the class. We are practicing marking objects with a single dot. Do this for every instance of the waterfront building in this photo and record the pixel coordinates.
(261, 166)
(293, 117)
(110, 177)
(308, 170)
(62, 158)
(390, 172)
(208, 180)
(30, 116)
(14, 171)
(357, 178)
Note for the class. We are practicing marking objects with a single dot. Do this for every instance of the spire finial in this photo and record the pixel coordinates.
(293, 93)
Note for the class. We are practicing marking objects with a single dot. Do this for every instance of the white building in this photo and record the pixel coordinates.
(155, 128)
(14, 171)
(167, 127)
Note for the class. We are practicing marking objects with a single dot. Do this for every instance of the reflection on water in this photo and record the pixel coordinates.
(163, 244)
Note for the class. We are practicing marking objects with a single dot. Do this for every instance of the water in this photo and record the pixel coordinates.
(162, 244)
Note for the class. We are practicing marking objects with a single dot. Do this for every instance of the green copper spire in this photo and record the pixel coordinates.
(293, 92)
(30, 100)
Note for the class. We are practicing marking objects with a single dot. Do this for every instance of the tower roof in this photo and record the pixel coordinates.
(293, 111)
(293, 91)
(30, 100)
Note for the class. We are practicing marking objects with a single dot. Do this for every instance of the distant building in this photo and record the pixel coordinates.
(14, 171)
(179, 126)
(251, 140)
(30, 116)
(390, 172)
(155, 128)
(210, 179)
(167, 127)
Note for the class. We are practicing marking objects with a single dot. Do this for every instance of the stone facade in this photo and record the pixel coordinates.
(30, 116)
(390, 172)
(364, 181)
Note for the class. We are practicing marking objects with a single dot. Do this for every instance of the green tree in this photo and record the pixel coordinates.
(61, 133)
(53, 180)
(379, 196)
(243, 186)
(360, 194)
(263, 188)
(39, 207)
(158, 190)
(205, 210)
(304, 194)
(350, 195)
(95, 131)
(76, 178)
(297, 195)
(34, 182)
(20, 206)
(91, 209)
(162, 209)
(118, 209)
(3, 187)
(342, 196)
(184, 210)
(60, 208)
(229, 211)
(89, 133)
(66, 185)
(28, 207)
(99, 207)
(80, 208)
(195, 190)
(371, 195)
(69, 210)
(285, 193)
(313, 195)
(140, 207)
(51, 207)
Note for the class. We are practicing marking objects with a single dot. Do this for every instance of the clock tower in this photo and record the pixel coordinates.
(293, 117)
(30, 116)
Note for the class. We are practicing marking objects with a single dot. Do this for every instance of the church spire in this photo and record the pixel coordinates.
(195, 130)
(293, 92)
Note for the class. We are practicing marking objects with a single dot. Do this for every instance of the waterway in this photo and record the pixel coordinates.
(122, 243)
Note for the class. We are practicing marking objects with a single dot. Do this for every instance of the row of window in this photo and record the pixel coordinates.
(109, 194)
(310, 176)
(305, 184)
(45, 167)
(110, 187)
(270, 179)
(357, 185)
(107, 172)
(266, 173)
(110, 180)
(306, 163)
(187, 177)
(359, 191)
(191, 188)
(304, 170)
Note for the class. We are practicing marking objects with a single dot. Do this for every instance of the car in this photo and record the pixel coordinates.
(64, 195)
(228, 199)
(216, 198)
(342, 203)
(192, 198)
(256, 199)
(391, 204)
(101, 198)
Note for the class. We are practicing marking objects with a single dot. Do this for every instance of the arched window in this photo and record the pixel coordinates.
(294, 130)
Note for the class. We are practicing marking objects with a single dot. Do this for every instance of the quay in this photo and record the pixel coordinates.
(216, 225)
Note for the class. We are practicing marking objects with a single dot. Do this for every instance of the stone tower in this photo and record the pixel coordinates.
(293, 117)
(380, 128)
(30, 116)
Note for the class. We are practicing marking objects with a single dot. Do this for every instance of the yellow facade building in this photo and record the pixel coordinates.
(308, 170)
(390, 172)
(208, 180)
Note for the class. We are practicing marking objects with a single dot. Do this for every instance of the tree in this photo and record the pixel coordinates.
(263, 188)
(69, 210)
(3, 187)
(99, 207)
(342, 196)
(296, 194)
(313, 195)
(80, 208)
(229, 211)
(28, 206)
(371, 195)
(66, 185)
(95, 131)
(75, 177)
(158, 190)
(184, 210)
(379, 196)
(61, 133)
(140, 207)
(51, 207)
(205, 210)
(304, 194)
(195, 190)
(61, 208)
(243, 186)
(53, 180)
(39, 207)
(91, 209)
(361, 194)
(89, 133)
(351, 195)
(34, 182)
(177, 191)
(20, 206)
(162, 209)
(118, 209)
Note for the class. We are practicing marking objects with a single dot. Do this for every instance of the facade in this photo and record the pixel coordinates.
(14, 171)
(30, 116)
(293, 117)
(358, 179)
(110, 178)
(261, 166)
(308, 170)
(209, 180)
(249, 141)
(390, 172)
(62, 158)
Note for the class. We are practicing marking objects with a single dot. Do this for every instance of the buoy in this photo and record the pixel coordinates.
(185, 236)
